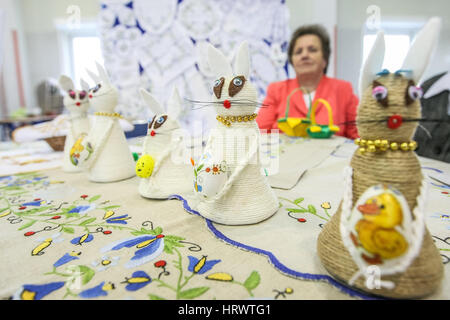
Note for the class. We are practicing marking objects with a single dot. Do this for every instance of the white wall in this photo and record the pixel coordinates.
(43, 21)
(352, 17)
(13, 21)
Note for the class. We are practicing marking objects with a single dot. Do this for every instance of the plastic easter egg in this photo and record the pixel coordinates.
(144, 166)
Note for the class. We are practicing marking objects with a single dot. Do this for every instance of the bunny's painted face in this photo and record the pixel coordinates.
(103, 97)
(76, 100)
(160, 124)
(236, 96)
(388, 108)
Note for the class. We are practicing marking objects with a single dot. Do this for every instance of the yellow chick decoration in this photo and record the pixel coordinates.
(144, 166)
(376, 230)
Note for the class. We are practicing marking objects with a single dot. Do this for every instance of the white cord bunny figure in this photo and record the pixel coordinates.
(77, 103)
(228, 181)
(163, 172)
(104, 152)
(380, 225)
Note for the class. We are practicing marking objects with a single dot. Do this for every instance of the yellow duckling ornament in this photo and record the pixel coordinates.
(376, 231)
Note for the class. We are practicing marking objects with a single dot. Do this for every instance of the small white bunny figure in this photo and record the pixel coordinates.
(77, 103)
(104, 152)
(228, 181)
(163, 172)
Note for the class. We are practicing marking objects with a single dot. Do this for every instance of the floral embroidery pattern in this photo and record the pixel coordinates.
(47, 223)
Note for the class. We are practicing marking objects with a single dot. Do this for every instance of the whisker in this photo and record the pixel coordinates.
(235, 102)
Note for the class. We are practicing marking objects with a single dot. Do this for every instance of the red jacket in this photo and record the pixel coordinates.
(338, 93)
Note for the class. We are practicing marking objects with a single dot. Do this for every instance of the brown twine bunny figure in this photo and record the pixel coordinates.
(377, 241)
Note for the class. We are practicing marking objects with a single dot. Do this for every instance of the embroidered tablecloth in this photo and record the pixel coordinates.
(63, 237)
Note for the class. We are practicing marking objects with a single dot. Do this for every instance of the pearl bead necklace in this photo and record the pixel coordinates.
(229, 119)
(383, 145)
(107, 114)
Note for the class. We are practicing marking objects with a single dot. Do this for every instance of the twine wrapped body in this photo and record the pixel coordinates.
(246, 197)
(112, 159)
(402, 171)
(168, 178)
(78, 125)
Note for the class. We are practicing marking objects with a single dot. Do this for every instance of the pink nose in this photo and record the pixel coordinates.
(90, 96)
(227, 104)
(78, 104)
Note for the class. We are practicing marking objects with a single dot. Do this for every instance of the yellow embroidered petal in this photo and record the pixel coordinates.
(220, 276)
(326, 205)
(108, 214)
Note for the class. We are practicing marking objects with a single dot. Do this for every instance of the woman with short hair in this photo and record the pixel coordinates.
(309, 52)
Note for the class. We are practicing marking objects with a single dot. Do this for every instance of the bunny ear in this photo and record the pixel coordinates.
(218, 63)
(102, 72)
(174, 104)
(420, 52)
(84, 85)
(93, 76)
(151, 102)
(66, 83)
(373, 63)
(242, 62)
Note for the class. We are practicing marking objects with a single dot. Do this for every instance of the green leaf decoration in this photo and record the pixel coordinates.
(94, 198)
(110, 207)
(27, 225)
(200, 168)
(252, 281)
(155, 297)
(297, 201)
(88, 274)
(68, 230)
(193, 293)
(157, 231)
(297, 210)
(85, 222)
(312, 209)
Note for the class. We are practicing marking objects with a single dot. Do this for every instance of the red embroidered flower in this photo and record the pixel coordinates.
(84, 196)
(56, 217)
(160, 264)
(208, 169)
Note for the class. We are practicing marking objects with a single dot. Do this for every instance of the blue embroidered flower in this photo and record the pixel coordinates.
(36, 203)
(82, 209)
(98, 291)
(84, 238)
(37, 292)
(138, 280)
(149, 247)
(201, 266)
(120, 219)
(67, 258)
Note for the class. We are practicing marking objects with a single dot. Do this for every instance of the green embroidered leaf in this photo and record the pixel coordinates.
(252, 281)
(312, 209)
(155, 297)
(85, 222)
(193, 293)
(88, 274)
(200, 168)
(3, 209)
(296, 210)
(110, 207)
(297, 201)
(68, 230)
(94, 198)
(157, 231)
(29, 224)
(84, 272)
